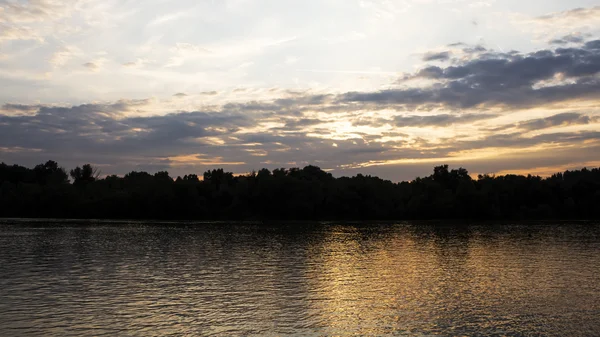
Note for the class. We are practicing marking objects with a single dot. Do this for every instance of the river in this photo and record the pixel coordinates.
(135, 278)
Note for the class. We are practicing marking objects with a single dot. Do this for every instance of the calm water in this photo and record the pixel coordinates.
(419, 279)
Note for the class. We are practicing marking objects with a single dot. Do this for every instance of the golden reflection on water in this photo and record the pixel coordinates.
(426, 283)
(369, 285)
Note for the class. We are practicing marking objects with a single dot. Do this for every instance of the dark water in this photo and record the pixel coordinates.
(416, 279)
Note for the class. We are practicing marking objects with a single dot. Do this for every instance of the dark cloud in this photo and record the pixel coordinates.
(431, 72)
(209, 93)
(173, 128)
(9, 107)
(304, 100)
(286, 106)
(571, 38)
(180, 95)
(517, 140)
(91, 65)
(474, 49)
(106, 131)
(440, 120)
(592, 45)
(254, 107)
(563, 119)
(441, 56)
(505, 79)
(107, 135)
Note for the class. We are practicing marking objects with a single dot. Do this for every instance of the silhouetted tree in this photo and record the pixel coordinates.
(191, 178)
(85, 174)
(294, 193)
(50, 173)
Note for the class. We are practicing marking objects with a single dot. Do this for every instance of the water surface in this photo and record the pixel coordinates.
(93, 278)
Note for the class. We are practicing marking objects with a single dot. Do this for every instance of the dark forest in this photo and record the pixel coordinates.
(307, 193)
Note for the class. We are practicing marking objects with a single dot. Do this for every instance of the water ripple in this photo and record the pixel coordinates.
(215, 279)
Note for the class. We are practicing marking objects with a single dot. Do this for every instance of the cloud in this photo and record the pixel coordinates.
(578, 19)
(573, 15)
(511, 80)
(593, 45)
(62, 55)
(91, 66)
(35, 20)
(108, 132)
(96, 64)
(302, 126)
(474, 49)
(485, 80)
(11, 108)
(300, 123)
(137, 63)
(437, 56)
(183, 52)
(439, 120)
(373, 122)
(563, 119)
(570, 38)
(238, 135)
(38, 10)
(18, 33)
(517, 140)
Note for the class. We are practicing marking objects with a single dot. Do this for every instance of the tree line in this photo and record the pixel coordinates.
(307, 193)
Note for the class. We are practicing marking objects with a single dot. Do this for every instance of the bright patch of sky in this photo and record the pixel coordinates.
(80, 51)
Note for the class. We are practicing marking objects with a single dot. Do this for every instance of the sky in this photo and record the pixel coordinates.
(381, 87)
